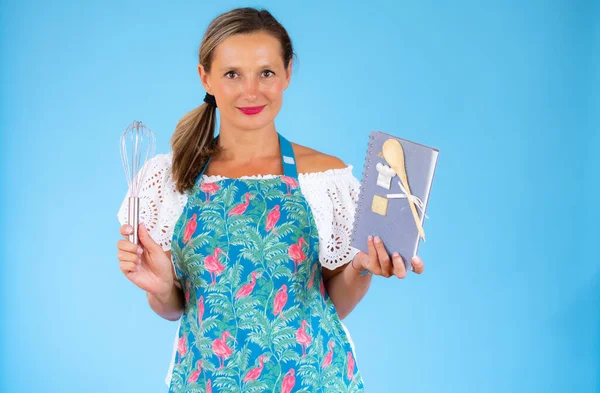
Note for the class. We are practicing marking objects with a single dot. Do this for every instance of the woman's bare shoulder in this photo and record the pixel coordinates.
(310, 160)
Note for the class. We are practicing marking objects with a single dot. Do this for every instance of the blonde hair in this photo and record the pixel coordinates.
(193, 141)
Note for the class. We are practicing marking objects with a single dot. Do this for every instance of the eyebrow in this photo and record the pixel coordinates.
(235, 68)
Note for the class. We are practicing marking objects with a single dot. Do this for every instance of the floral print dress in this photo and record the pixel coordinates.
(257, 317)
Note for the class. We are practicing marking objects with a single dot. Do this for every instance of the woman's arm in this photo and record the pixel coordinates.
(346, 287)
(168, 305)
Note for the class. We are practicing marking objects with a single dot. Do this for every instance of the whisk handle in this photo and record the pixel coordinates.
(133, 218)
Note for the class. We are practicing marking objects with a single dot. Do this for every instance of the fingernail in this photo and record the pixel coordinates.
(370, 238)
(395, 254)
(128, 230)
(140, 250)
(377, 239)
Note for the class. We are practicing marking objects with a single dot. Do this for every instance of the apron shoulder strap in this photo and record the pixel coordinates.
(288, 159)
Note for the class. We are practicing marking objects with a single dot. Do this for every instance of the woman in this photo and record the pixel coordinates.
(248, 234)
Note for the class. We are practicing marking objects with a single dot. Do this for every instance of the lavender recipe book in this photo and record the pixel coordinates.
(391, 218)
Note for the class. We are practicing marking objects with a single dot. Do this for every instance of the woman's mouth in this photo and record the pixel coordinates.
(251, 110)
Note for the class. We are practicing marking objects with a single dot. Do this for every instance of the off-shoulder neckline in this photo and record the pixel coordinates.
(301, 176)
(328, 173)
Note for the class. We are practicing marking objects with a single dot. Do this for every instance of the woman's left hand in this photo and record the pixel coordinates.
(379, 262)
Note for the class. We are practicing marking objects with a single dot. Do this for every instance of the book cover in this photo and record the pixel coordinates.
(384, 204)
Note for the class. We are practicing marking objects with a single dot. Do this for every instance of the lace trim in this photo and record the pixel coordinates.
(301, 176)
(333, 207)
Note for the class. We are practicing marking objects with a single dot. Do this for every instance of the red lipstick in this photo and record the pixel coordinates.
(252, 110)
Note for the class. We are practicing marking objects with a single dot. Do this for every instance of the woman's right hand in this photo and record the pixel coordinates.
(146, 265)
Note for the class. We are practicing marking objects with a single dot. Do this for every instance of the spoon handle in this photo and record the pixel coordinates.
(404, 180)
(400, 169)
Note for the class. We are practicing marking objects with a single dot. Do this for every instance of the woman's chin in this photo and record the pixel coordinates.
(254, 123)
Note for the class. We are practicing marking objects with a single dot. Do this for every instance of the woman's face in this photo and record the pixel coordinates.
(247, 78)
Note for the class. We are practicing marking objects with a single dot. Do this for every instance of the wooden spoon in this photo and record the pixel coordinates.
(394, 155)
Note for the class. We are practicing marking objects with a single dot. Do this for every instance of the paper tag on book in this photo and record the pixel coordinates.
(379, 205)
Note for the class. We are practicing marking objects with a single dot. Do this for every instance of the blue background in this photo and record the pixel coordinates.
(507, 90)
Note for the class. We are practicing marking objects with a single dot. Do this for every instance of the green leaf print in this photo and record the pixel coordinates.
(256, 386)
(234, 276)
(271, 190)
(228, 195)
(194, 389)
(251, 241)
(226, 384)
(239, 226)
(283, 230)
(330, 378)
(335, 384)
(213, 213)
(281, 271)
(177, 382)
(210, 323)
(258, 334)
(247, 307)
(204, 345)
(354, 386)
(220, 304)
(289, 355)
(284, 340)
(242, 357)
(272, 242)
(291, 314)
(309, 375)
(296, 210)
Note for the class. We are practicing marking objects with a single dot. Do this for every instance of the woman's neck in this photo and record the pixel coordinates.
(245, 146)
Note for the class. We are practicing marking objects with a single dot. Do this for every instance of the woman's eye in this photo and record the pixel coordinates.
(268, 73)
(230, 75)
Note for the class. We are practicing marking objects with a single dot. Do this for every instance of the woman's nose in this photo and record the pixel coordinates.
(251, 87)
